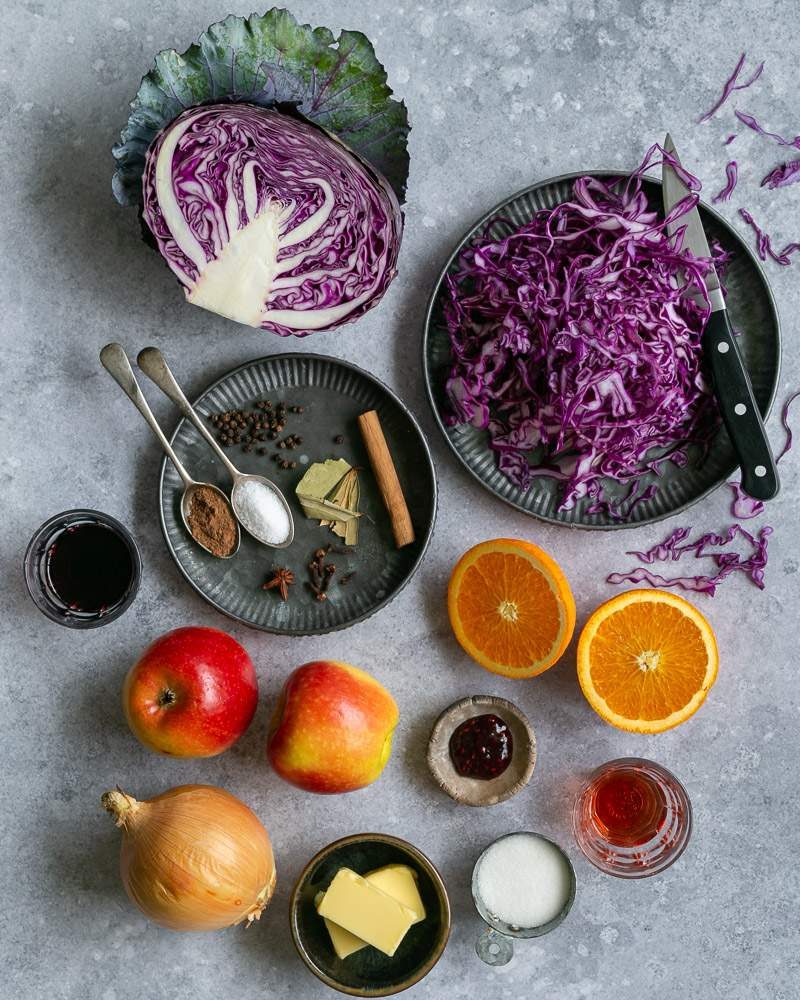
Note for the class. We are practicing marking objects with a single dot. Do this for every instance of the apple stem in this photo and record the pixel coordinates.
(123, 807)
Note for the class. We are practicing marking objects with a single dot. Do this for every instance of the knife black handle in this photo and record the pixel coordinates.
(739, 409)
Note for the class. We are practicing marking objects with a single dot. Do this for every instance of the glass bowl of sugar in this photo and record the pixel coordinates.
(523, 886)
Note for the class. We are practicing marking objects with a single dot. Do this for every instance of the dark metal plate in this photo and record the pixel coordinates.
(753, 314)
(333, 393)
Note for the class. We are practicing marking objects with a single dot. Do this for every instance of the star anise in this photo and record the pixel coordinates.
(281, 578)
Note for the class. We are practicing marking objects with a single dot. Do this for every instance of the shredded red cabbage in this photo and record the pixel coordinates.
(674, 547)
(663, 550)
(743, 507)
(731, 85)
(732, 173)
(730, 139)
(575, 345)
(764, 243)
(785, 421)
(783, 176)
(751, 122)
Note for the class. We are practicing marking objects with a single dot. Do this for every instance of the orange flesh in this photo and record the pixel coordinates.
(508, 610)
(647, 661)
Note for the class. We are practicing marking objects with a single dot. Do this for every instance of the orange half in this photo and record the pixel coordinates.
(646, 660)
(511, 607)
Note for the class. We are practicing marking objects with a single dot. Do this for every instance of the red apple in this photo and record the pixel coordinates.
(192, 694)
(332, 728)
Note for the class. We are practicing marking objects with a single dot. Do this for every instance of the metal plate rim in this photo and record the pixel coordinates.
(426, 336)
(426, 452)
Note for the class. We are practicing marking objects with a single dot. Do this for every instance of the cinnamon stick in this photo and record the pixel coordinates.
(386, 475)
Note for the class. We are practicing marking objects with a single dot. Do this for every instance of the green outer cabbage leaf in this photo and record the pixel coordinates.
(270, 60)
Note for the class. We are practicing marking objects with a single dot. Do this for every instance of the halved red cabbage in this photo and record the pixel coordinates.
(732, 174)
(673, 548)
(783, 176)
(575, 345)
(731, 85)
(269, 220)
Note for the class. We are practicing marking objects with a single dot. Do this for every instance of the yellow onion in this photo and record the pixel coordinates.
(194, 858)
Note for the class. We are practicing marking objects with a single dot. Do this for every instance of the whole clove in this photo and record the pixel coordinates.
(320, 574)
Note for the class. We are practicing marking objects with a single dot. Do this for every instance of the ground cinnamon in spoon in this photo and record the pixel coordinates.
(211, 521)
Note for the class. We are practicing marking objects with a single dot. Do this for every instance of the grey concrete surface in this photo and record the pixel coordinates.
(500, 95)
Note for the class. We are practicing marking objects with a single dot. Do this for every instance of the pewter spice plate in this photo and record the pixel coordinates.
(332, 393)
(753, 314)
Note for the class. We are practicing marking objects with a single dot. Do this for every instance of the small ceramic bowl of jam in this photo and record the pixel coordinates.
(82, 568)
(392, 867)
(482, 750)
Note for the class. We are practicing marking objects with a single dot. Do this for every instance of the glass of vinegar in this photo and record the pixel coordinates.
(632, 818)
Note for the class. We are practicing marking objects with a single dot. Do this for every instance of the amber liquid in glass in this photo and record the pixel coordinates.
(628, 808)
(632, 817)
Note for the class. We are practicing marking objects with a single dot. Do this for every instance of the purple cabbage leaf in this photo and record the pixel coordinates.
(271, 60)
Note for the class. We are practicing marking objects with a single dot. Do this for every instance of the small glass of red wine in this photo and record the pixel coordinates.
(632, 818)
(82, 568)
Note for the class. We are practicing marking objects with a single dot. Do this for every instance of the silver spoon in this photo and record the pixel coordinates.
(152, 363)
(115, 361)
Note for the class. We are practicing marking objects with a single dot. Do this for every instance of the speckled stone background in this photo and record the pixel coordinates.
(500, 95)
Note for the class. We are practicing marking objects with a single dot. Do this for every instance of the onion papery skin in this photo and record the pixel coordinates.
(269, 220)
(194, 858)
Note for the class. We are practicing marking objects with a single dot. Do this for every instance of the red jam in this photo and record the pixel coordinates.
(481, 747)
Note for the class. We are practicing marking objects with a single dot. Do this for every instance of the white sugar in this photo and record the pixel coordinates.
(524, 881)
(261, 511)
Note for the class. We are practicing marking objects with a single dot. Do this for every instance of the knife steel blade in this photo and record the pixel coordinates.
(694, 237)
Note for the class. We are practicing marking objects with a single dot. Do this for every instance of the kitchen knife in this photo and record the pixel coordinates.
(731, 382)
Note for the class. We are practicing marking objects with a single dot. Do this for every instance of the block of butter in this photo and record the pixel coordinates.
(344, 943)
(398, 881)
(361, 908)
(401, 882)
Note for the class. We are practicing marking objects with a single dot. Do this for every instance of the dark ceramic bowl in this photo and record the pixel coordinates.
(35, 568)
(475, 791)
(369, 973)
